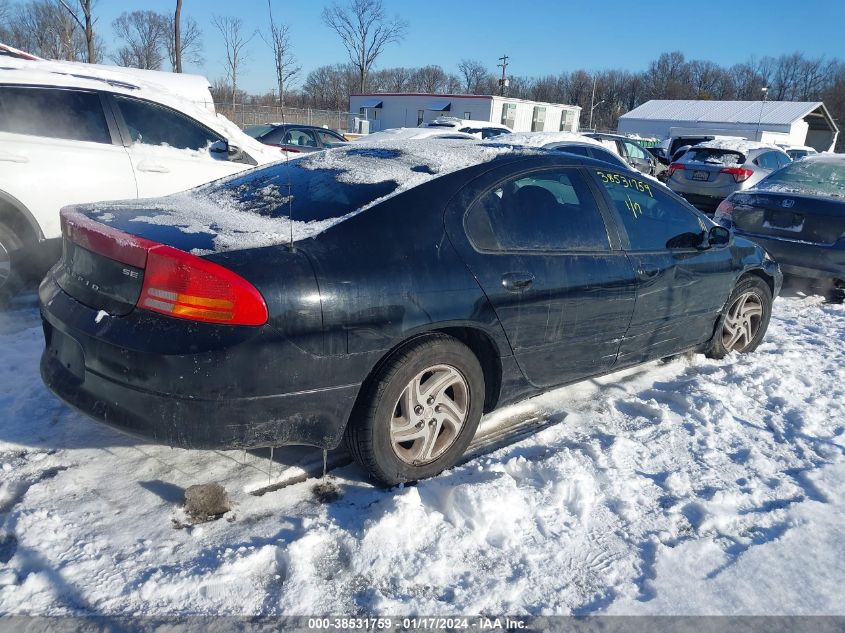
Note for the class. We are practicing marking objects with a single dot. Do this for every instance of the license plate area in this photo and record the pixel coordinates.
(66, 352)
(701, 175)
(784, 221)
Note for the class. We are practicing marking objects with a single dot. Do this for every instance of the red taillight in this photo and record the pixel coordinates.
(738, 173)
(182, 285)
(674, 167)
(176, 283)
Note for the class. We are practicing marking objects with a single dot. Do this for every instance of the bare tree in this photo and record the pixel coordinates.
(189, 47)
(144, 34)
(286, 66)
(474, 75)
(365, 31)
(235, 42)
(44, 28)
(84, 19)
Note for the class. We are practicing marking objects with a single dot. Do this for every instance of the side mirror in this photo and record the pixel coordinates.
(718, 236)
(237, 155)
(219, 147)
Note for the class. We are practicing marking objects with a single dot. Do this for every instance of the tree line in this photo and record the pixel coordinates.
(68, 29)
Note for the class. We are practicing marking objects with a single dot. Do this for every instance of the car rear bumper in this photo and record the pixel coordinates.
(707, 204)
(77, 366)
(803, 259)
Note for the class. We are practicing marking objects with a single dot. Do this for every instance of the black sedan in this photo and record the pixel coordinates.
(388, 294)
(296, 139)
(798, 215)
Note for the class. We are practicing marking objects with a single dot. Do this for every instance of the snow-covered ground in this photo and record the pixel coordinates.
(691, 486)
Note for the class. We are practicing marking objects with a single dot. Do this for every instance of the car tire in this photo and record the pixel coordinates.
(418, 414)
(744, 320)
(11, 279)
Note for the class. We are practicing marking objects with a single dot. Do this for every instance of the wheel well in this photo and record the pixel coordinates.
(478, 342)
(18, 221)
(486, 352)
(756, 272)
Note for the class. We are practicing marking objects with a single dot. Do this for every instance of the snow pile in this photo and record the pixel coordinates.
(543, 139)
(691, 486)
(736, 145)
(412, 134)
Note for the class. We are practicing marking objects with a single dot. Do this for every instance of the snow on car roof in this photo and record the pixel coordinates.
(135, 83)
(411, 161)
(740, 145)
(542, 139)
(454, 121)
(233, 223)
(412, 133)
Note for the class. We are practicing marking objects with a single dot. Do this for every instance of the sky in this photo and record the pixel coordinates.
(541, 37)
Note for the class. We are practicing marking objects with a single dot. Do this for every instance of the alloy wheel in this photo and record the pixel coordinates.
(742, 322)
(429, 415)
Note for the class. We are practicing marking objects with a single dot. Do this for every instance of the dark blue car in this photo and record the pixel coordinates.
(389, 295)
(798, 215)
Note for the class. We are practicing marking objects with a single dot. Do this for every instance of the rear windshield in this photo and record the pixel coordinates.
(815, 177)
(257, 131)
(286, 188)
(727, 158)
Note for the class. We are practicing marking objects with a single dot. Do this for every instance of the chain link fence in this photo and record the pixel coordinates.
(243, 115)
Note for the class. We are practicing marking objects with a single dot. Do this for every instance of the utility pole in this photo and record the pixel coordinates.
(503, 82)
(592, 102)
(765, 90)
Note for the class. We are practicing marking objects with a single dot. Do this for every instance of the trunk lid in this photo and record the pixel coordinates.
(790, 216)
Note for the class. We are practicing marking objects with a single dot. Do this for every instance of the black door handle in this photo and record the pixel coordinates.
(517, 282)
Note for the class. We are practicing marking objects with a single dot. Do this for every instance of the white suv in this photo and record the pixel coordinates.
(73, 133)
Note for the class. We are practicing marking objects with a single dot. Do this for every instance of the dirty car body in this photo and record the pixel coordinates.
(364, 268)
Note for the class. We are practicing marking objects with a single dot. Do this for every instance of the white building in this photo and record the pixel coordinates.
(789, 122)
(383, 111)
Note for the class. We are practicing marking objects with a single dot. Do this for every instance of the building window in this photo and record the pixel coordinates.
(508, 114)
(420, 117)
(538, 120)
(468, 115)
(567, 120)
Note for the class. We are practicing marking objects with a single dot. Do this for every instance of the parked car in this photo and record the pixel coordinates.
(565, 142)
(709, 172)
(413, 134)
(478, 129)
(419, 286)
(81, 133)
(798, 215)
(669, 147)
(632, 152)
(295, 138)
(797, 152)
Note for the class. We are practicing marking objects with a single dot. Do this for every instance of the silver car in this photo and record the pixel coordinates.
(709, 172)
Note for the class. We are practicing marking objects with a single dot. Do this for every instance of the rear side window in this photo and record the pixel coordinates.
(653, 220)
(301, 138)
(328, 139)
(151, 124)
(74, 115)
(768, 160)
(634, 151)
(543, 211)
